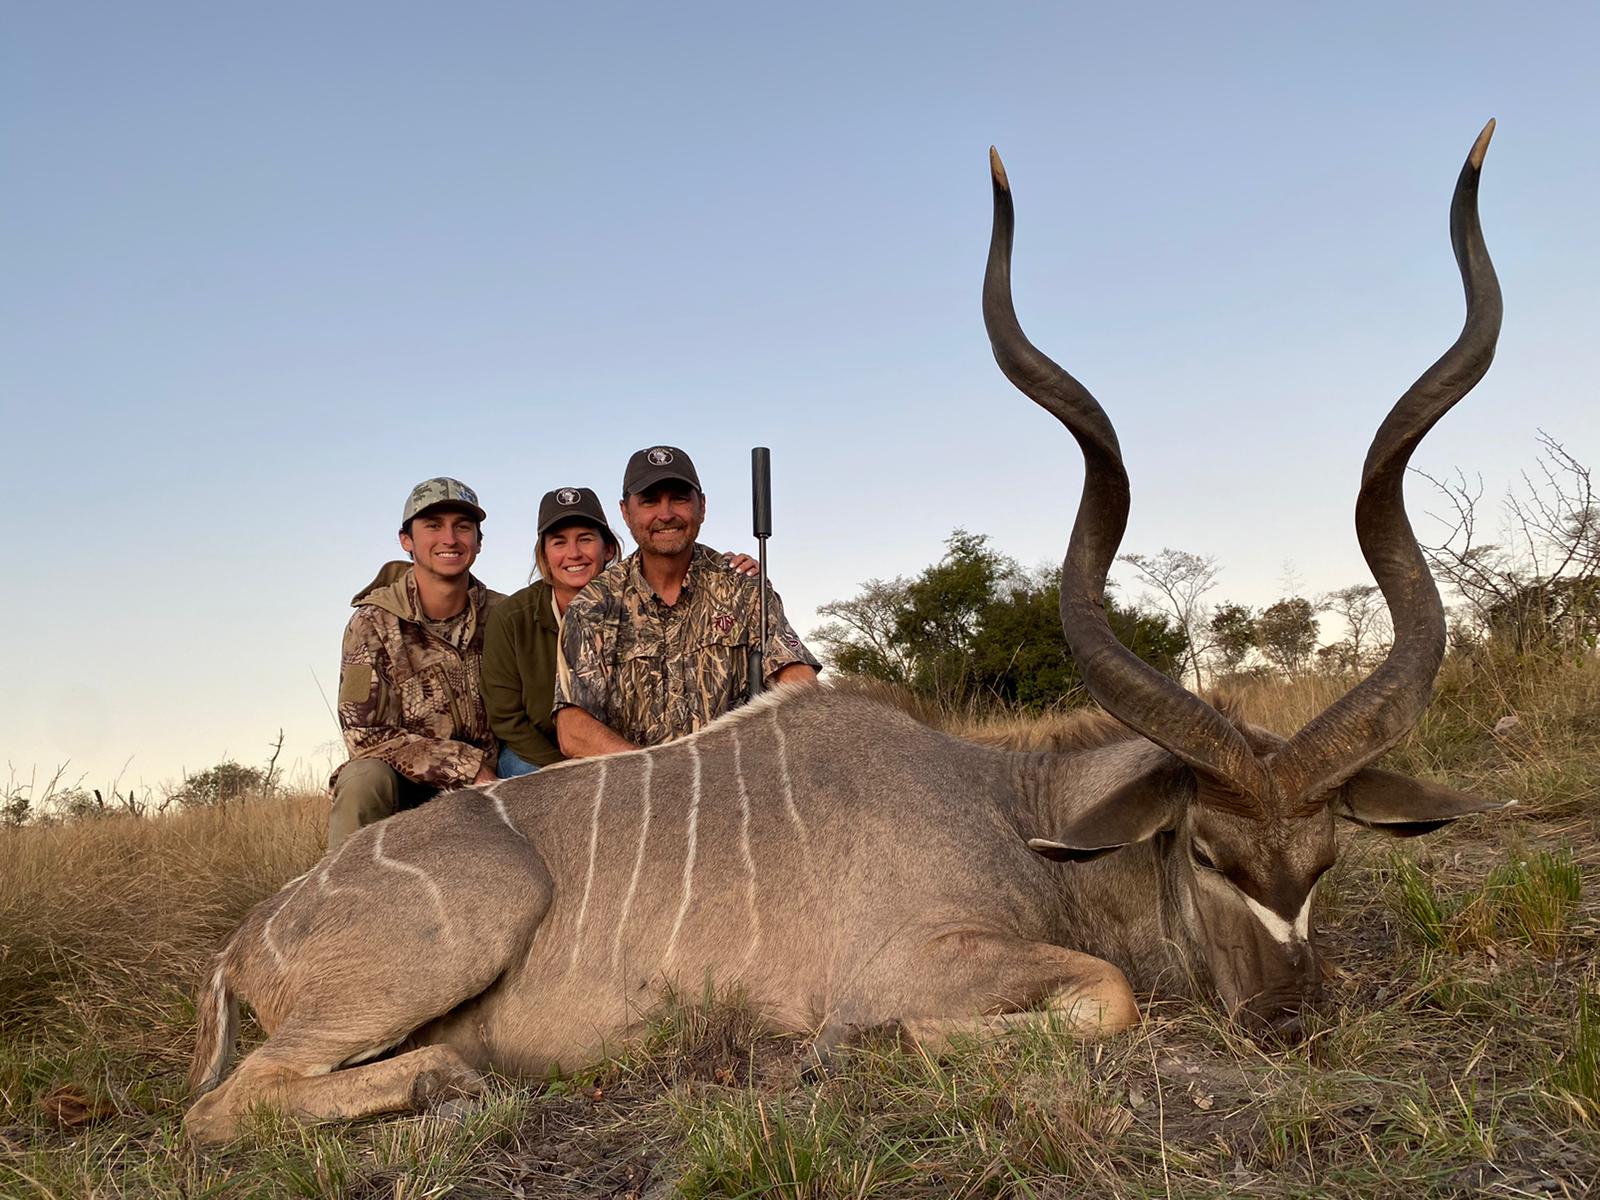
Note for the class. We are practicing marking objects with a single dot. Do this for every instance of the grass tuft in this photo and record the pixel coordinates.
(1537, 897)
(1529, 900)
(1575, 1077)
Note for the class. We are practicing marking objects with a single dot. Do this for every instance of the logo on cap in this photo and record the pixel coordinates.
(659, 457)
(466, 493)
(568, 496)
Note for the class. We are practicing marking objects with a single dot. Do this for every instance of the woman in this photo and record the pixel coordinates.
(574, 544)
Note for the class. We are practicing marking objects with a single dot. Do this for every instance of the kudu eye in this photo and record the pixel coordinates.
(1201, 858)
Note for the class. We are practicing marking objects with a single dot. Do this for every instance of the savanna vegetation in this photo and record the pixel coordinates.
(1459, 1053)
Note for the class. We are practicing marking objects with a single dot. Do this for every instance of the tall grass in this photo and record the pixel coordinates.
(1548, 759)
(105, 924)
(1459, 1054)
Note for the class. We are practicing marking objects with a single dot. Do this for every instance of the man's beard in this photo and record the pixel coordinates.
(673, 540)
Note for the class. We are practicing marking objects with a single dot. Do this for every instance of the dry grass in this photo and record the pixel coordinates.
(1460, 1055)
(104, 927)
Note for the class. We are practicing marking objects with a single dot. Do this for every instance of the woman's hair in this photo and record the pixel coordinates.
(541, 564)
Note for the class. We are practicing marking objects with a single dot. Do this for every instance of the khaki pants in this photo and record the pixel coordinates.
(367, 790)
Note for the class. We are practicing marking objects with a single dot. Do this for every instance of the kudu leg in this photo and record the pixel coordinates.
(399, 928)
(1015, 984)
(408, 1082)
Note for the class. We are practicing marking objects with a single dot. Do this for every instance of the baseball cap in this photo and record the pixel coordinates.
(573, 504)
(653, 464)
(442, 492)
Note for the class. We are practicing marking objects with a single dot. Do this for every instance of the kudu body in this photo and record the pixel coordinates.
(845, 866)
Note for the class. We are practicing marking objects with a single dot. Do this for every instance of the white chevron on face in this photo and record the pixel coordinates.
(1283, 932)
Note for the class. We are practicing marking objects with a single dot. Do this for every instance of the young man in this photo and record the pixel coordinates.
(410, 696)
(659, 645)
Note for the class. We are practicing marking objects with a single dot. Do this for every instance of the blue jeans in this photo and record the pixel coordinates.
(512, 764)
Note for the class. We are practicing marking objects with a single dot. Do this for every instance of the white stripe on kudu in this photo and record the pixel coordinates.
(500, 807)
(689, 854)
(322, 875)
(649, 762)
(588, 879)
(744, 849)
(267, 938)
(788, 786)
(394, 864)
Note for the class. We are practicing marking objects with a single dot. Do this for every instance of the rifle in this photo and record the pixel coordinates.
(761, 527)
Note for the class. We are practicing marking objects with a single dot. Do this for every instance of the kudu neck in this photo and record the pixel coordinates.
(1124, 905)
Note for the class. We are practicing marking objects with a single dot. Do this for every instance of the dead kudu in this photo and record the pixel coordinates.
(845, 866)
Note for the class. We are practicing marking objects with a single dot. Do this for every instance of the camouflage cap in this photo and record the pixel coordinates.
(654, 464)
(441, 492)
(573, 506)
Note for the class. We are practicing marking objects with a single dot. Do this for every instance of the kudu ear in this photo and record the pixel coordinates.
(1402, 806)
(1133, 811)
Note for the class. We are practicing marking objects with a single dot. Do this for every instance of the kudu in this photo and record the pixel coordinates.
(845, 866)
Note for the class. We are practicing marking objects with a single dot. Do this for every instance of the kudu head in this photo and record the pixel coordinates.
(1258, 827)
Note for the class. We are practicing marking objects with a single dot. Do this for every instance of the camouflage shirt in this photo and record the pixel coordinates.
(409, 696)
(653, 671)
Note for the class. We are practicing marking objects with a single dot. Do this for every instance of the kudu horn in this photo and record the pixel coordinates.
(1377, 712)
(1121, 682)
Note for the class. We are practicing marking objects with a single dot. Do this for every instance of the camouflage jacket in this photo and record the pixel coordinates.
(652, 671)
(407, 696)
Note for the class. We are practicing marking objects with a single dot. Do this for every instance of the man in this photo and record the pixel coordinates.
(659, 645)
(410, 696)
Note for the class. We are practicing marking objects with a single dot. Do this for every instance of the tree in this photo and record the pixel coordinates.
(1362, 609)
(1286, 632)
(975, 625)
(1540, 584)
(944, 609)
(860, 640)
(1232, 635)
(919, 632)
(221, 784)
(1180, 580)
(1020, 656)
(14, 806)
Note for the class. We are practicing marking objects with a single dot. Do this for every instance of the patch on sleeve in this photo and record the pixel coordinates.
(356, 685)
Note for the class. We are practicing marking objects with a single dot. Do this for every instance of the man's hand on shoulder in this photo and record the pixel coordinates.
(742, 564)
(795, 673)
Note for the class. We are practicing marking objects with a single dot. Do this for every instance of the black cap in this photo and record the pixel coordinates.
(573, 505)
(654, 464)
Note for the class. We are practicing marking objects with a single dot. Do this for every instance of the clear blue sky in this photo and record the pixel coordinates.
(267, 266)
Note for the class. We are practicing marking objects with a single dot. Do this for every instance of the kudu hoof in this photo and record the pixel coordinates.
(436, 1085)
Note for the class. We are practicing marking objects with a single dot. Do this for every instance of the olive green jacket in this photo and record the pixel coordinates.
(519, 673)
